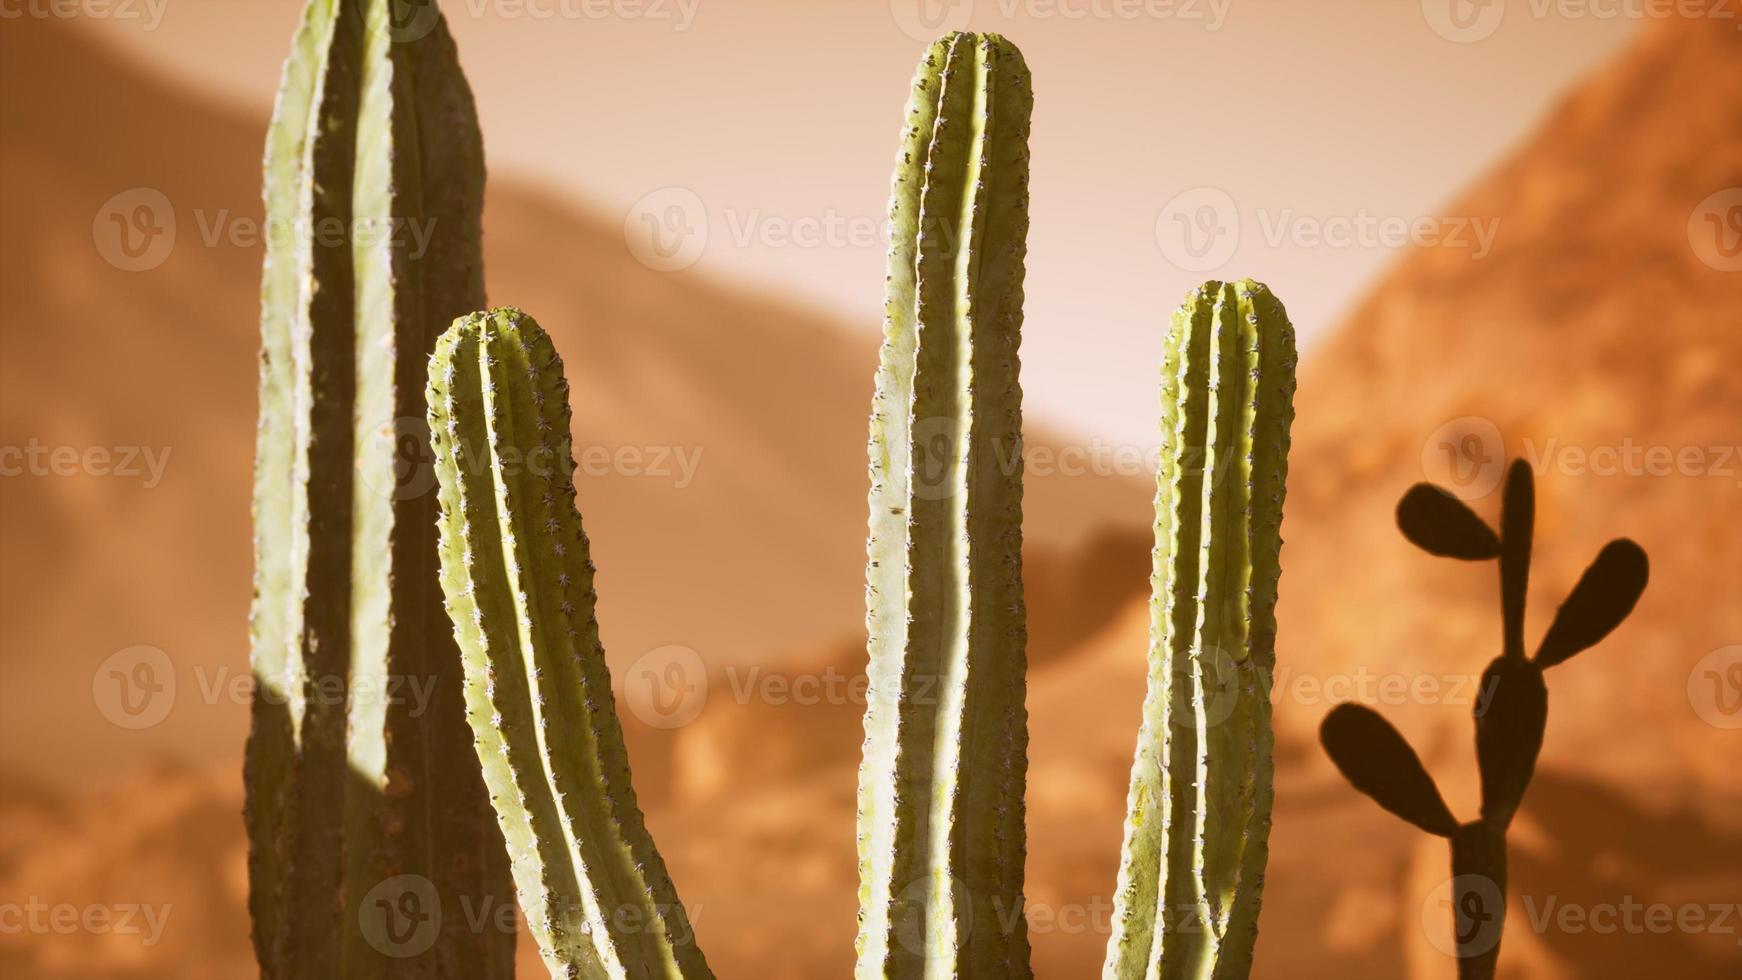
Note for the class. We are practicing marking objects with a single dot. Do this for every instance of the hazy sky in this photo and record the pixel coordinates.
(1300, 142)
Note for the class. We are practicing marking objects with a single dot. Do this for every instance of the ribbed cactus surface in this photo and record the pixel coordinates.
(941, 837)
(366, 838)
(1192, 866)
(519, 584)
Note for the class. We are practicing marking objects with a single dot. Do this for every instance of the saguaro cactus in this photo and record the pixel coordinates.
(360, 810)
(941, 838)
(1511, 716)
(519, 586)
(1198, 822)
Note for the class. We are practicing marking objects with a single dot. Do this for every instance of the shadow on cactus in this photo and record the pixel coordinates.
(360, 808)
(1509, 725)
(360, 577)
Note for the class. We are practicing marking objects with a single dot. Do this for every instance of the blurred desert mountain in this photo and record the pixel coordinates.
(1592, 324)
(730, 518)
(721, 433)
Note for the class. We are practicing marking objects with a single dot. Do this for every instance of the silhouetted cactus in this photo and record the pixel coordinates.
(1509, 724)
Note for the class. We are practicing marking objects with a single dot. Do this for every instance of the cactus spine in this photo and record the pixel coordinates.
(1192, 865)
(519, 584)
(941, 837)
(351, 782)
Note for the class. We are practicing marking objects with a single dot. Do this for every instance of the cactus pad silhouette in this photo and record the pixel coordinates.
(1374, 757)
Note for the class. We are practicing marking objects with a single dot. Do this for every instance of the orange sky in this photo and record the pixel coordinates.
(1327, 129)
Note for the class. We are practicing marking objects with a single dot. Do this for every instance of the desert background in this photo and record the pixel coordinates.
(1572, 174)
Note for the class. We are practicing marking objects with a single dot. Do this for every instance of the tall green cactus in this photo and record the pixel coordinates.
(358, 718)
(941, 837)
(519, 586)
(1196, 832)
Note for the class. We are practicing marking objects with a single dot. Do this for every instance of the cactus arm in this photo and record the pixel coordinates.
(519, 583)
(511, 768)
(275, 616)
(1266, 342)
(350, 781)
(1517, 525)
(1604, 596)
(1478, 859)
(295, 756)
(880, 818)
(1192, 861)
(996, 709)
(940, 794)
(1140, 908)
(416, 254)
(1220, 655)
